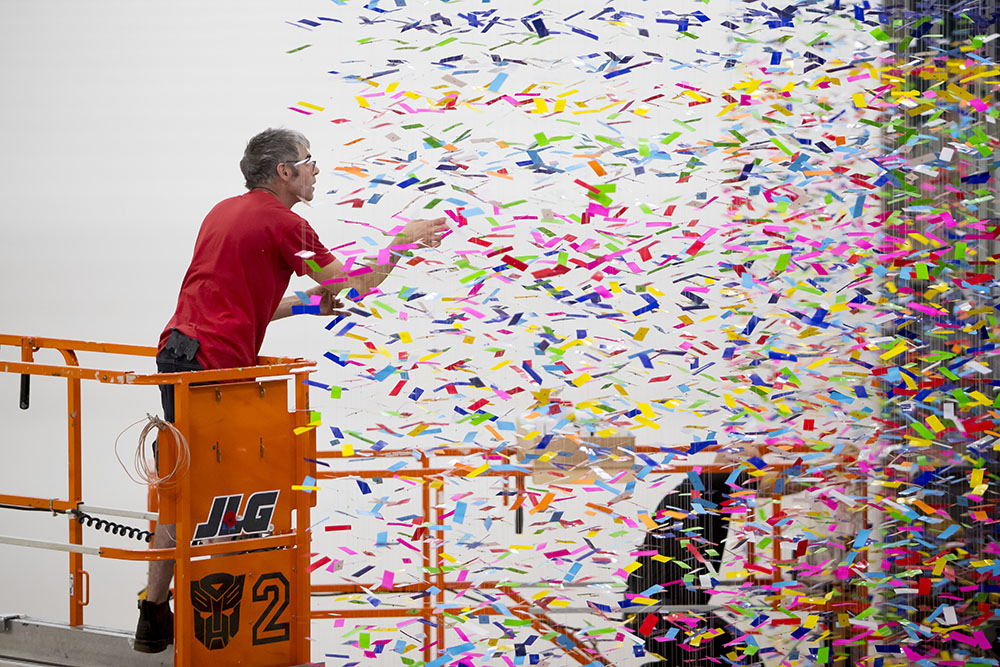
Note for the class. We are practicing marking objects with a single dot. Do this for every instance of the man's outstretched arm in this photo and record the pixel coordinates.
(332, 277)
(328, 303)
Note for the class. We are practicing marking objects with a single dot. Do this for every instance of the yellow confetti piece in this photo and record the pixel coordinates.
(405, 337)
(632, 567)
(583, 379)
(347, 449)
(362, 102)
(729, 107)
(447, 557)
(980, 398)
(299, 487)
(935, 423)
(311, 106)
(647, 422)
(898, 349)
(479, 471)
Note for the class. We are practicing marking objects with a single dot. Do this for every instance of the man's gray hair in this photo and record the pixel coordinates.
(266, 151)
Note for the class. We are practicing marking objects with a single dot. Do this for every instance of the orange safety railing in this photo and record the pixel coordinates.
(432, 608)
(260, 451)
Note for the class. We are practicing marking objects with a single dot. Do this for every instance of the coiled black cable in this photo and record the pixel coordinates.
(113, 527)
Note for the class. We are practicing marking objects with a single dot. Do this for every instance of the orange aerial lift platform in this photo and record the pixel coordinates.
(241, 581)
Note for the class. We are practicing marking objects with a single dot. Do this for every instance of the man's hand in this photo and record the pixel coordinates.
(328, 304)
(424, 232)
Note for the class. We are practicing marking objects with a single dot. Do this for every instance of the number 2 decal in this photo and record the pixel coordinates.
(273, 587)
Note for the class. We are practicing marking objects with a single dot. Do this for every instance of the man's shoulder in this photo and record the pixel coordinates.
(256, 205)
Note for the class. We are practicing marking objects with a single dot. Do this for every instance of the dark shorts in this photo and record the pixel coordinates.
(177, 356)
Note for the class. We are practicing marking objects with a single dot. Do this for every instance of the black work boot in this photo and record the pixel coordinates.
(155, 630)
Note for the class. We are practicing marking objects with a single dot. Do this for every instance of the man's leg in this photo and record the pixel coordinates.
(160, 571)
(155, 629)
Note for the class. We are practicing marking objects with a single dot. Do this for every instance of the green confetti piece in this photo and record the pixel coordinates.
(880, 35)
(948, 374)
(335, 392)
(443, 42)
(299, 48)
(818, 38)
(670, 137)
(784, 149)
(782, 262)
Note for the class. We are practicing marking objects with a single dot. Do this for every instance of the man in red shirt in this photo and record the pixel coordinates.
(246, 252)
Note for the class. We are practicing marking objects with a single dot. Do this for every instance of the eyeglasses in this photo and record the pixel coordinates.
(306, 160)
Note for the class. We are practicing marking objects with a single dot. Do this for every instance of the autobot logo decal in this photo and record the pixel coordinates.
(223, 518)
(215, 600)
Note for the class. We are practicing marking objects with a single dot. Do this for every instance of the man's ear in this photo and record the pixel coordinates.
(282, 171)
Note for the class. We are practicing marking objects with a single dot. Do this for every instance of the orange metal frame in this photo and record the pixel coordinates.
(188, 559)
(581, 652)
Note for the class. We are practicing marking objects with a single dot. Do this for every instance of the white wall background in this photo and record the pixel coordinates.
(125, 123)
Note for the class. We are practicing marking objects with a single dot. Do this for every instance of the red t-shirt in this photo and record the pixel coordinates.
(243, 259)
